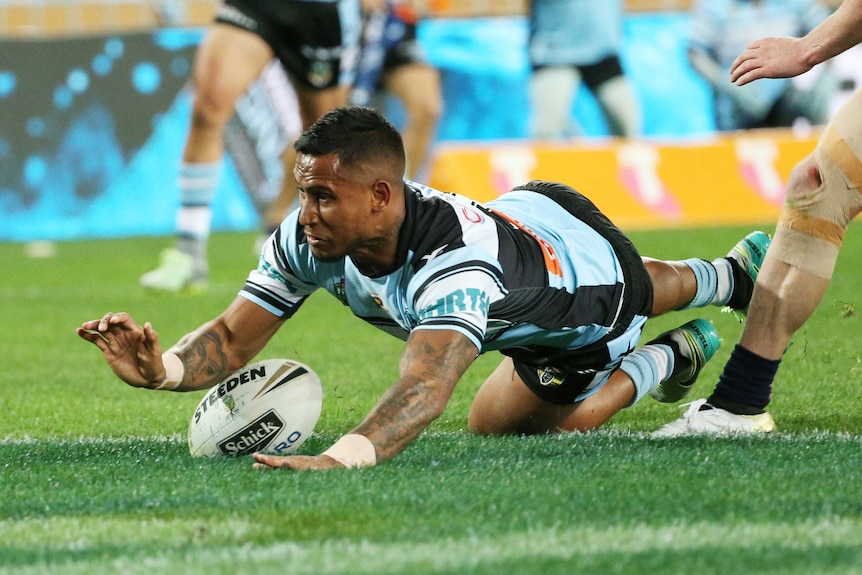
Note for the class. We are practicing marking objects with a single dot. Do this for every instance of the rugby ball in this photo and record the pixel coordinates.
(270, 406)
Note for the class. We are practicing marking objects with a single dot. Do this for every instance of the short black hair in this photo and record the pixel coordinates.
(355, 134)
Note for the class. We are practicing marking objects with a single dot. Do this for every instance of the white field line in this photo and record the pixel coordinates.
(813, 435)
(342, 557)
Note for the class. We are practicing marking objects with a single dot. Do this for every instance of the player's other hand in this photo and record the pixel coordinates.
(295, 462)
(132, 351)
(780, 57)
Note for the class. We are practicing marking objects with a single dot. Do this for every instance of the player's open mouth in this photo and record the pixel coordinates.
(313, 240)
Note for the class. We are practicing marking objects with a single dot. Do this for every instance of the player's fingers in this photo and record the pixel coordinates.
(151, 339)
(744, 60)
(91, 324)
(105, 342)
(105, 321)
(744, 73)
(262, 461)
(122, 318)
(734, 67)
(747, 77)
(92, 335)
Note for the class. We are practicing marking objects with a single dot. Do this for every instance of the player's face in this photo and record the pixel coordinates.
(335, 208)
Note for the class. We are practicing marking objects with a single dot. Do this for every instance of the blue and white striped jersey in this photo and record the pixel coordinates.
(517, 271)
(574, 32)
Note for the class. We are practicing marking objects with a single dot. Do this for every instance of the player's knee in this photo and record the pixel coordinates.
(478, 422)
(490, 411)
(804, 179)
(428, 111)
(211, 109)
(817, 211)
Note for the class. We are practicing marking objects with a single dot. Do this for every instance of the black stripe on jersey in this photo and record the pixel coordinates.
(474, 265)
(287, 308)
(377, 320)
(387, 325)
(434, 229)
(449, 321)
(280, 255)
(555, 308)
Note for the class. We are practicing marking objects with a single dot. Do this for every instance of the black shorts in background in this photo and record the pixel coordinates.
(316, 41)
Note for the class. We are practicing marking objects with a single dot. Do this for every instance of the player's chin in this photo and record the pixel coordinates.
(326, 253)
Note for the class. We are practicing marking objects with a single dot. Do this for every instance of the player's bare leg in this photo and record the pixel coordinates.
(674, 284)
(315, 103)
(226, 63)
(417, 86)
(785, 295)
(504, 405)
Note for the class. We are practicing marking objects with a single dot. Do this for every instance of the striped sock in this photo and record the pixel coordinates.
(724, 281)
(198, 184)
(706, 277)
(714, 282)
(647, 367)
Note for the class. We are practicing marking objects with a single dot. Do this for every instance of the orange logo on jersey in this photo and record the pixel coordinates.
(551, 261)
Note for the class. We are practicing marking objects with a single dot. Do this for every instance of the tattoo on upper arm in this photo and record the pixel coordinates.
(205, 361)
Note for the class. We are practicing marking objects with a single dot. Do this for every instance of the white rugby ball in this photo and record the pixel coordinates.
(270, 406)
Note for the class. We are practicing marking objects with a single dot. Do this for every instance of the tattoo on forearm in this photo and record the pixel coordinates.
(205, 361)
(430, 369)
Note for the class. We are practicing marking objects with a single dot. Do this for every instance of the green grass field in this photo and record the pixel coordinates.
(96, 476)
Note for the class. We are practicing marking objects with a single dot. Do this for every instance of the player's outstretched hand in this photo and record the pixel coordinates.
(132, 351)
(780, 57)
(295, 462)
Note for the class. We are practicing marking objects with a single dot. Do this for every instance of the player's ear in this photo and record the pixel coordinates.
(381, 195)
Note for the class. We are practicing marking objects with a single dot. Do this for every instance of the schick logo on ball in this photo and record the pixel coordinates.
(254, 436)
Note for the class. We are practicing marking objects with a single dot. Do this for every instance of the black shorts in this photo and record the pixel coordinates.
(596, 74)
(406, 51)
(316, 41)
(559, 375)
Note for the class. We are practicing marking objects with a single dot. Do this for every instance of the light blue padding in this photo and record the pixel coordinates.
(707, 282)
(643, 368)
(198, 183)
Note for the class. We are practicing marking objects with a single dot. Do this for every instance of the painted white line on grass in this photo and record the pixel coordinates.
(813, 435)
(350, 557)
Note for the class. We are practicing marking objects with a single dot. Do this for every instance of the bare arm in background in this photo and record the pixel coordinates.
(785, 57)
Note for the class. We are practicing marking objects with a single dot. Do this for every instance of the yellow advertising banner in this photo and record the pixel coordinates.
(726, 179)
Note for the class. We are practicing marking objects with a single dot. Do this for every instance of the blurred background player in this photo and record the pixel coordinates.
(574, 41)
(317, 43)
(823, 196)
(720, 30)
(392, 61)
